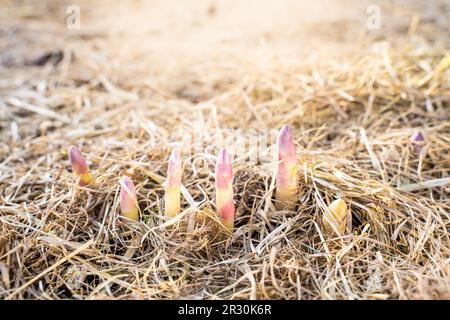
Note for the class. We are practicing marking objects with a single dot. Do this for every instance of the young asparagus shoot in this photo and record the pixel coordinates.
(128, 199)
(172, 186)
(224, 190)
(80, 167)
(287, 174)
(417, 141)
(338, 218)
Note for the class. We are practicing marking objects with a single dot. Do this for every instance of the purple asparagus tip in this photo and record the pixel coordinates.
(418, 136)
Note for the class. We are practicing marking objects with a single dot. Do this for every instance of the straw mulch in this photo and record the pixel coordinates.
(352, 113)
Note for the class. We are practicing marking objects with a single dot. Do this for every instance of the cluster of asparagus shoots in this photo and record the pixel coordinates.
(334, 219)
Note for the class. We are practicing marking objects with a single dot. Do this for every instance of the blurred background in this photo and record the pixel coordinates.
(164, 31)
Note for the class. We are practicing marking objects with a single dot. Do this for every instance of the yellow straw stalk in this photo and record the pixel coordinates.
(80, 167)
(173, 186)
(128, 199)
(287, 174)
(224, 190)
(338, 218)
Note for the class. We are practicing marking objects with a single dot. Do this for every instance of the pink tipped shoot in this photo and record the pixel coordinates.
(80, 167)
(128, 199)
(224, 189)
(417, 141)
(174, 169)
(173, 186)
(287, 173)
